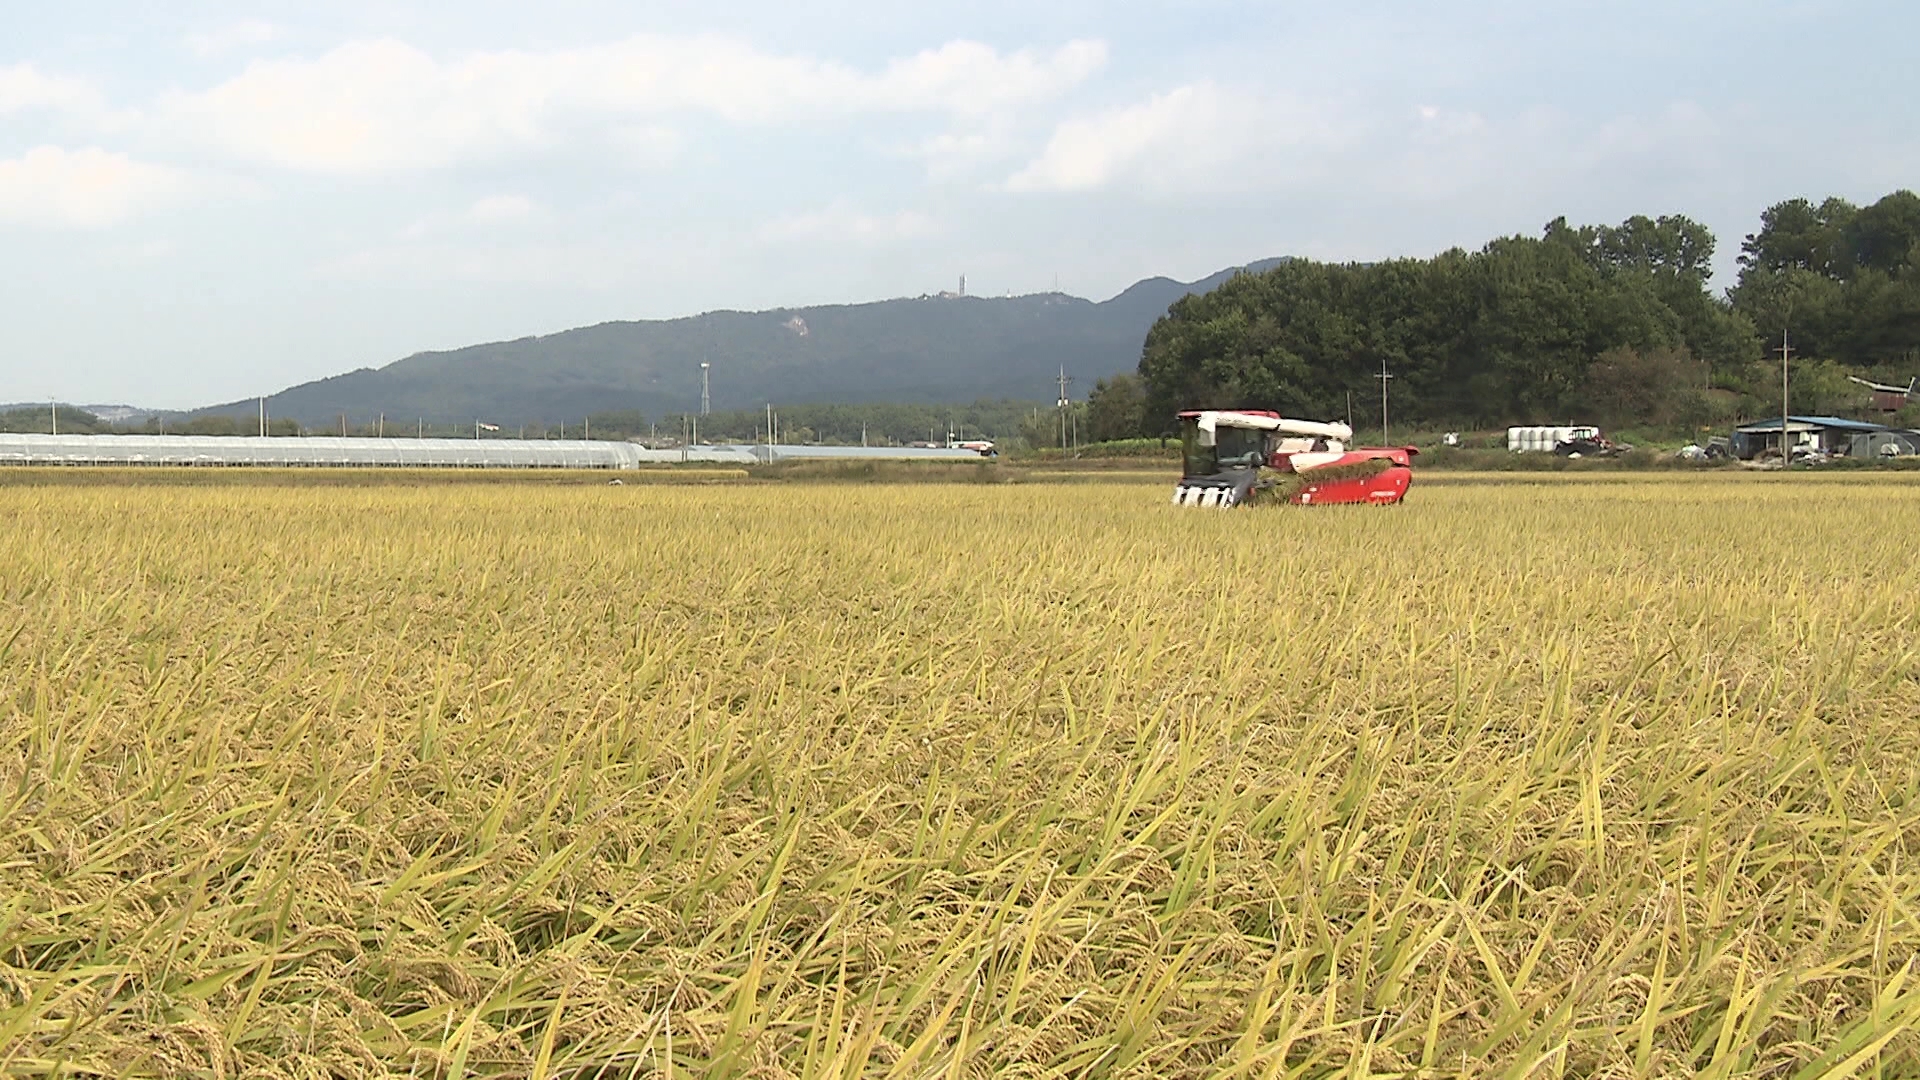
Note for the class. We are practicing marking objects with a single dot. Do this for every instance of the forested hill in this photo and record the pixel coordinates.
(934, 349)
(1613, 324)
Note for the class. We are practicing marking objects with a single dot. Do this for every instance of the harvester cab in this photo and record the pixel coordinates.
(1233, 458)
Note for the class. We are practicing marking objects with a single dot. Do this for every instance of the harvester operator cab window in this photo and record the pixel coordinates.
(1241, 448)
(1230, 448)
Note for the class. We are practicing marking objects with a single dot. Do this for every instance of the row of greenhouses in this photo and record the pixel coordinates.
(282, 451)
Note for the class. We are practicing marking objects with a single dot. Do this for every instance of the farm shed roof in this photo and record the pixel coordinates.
(1834, 422)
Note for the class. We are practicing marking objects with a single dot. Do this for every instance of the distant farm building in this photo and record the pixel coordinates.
(1824, 435)
(1885, 398)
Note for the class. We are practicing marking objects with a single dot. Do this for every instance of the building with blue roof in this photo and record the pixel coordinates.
(1822, 435)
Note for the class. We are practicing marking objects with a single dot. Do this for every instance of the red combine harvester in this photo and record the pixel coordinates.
(1223, 453)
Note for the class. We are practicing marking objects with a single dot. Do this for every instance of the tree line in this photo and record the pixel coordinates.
(873, 423)
(1615, 324)
(1034, 423)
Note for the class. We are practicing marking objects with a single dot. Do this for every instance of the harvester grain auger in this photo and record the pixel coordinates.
(1240, 458)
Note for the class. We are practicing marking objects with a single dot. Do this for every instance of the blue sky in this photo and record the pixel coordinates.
(205, 200)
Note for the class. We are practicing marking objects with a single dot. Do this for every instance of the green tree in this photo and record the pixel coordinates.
(1797, 235)
(1503, 334)
(1886, 235)
(1672, 245)
(1116, 409)
(41, 419)
(1661, 387)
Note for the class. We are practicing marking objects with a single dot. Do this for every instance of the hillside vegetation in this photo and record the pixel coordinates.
(935, 349)
(1614, 324)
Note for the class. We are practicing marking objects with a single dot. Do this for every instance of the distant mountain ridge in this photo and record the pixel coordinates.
(929, 349)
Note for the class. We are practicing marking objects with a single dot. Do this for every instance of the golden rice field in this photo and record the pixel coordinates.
(1602, 777)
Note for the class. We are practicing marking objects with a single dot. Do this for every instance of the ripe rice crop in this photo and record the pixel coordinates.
(1517, 779)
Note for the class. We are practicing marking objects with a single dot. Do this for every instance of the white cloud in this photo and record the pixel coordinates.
(137, 254)
(587, 266)
(969, 78)
(92, 188)
(482, 213)
(502, 208)
(1207, 138)
(644, 145)
(1541, 156)
(23, 87)
(1192, 136)
(1676, 129)
(241, 35)
(1438, 124)
(841, 223)
(376, 106)
(962, 152)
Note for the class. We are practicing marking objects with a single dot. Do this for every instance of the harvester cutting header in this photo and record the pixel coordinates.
(1234, 458)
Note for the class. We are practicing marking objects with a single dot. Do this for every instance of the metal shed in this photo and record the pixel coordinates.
(1822, 434)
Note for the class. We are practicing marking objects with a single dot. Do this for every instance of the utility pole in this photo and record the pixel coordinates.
(1349, 410)
(383, 425)
(1786, 452)
(419, 427)
(1062, 404)
(55, 406)
(263, 418)
(343, 425)
(1383, 377)
(706, 390)
(586, 428)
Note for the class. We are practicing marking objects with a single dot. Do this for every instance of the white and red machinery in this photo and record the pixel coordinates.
(1223, 453)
